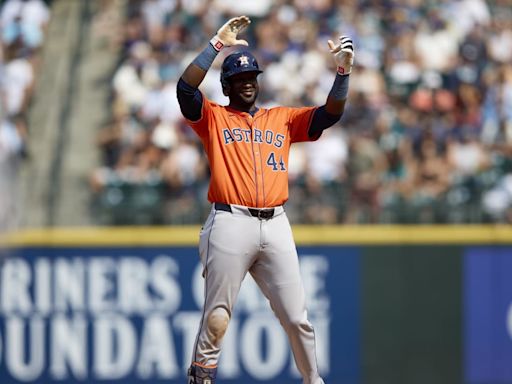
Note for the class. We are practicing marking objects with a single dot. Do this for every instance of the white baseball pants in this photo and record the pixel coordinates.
(234, 243)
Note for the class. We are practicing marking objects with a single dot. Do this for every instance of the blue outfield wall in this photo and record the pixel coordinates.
(488, 315)
(130, 314)
(390, 305)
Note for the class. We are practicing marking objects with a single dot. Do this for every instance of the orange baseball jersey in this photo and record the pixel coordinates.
(248, 155)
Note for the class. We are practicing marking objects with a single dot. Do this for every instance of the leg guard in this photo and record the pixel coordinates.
(217, 324)
(200, 375)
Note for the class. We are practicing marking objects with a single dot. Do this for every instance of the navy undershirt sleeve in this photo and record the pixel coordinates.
(190, 100)
(321, 120)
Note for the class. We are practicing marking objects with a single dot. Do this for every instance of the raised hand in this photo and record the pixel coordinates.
(343, 54)
(227, 35)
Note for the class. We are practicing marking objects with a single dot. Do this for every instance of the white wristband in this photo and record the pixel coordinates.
(216, 43)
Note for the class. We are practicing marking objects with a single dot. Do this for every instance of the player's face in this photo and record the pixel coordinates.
(244, 89)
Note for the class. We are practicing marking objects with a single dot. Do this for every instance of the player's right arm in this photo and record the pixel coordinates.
(189, 96)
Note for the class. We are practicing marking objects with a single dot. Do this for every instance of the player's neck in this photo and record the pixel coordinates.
(249, 108)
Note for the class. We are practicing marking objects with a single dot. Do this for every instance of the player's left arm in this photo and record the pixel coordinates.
(328, 114)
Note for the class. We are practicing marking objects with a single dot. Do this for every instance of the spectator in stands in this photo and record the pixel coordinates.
(18, 80)
(366, 163)
(23, 24)
(431, 175)
(497, 202)
(136, 77)
(24, 20)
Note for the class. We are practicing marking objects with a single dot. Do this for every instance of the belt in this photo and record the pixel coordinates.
(262, 214)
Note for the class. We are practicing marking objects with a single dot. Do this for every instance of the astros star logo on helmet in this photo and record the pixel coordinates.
(244, 60)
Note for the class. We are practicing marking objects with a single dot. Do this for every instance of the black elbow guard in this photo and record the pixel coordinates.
(322, 120)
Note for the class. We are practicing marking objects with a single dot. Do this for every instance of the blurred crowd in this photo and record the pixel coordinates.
(426, 136)
(23, 25)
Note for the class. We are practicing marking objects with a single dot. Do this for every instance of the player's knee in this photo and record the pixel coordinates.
(218, 321)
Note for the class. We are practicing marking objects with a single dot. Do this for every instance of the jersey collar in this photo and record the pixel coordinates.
(258, 111)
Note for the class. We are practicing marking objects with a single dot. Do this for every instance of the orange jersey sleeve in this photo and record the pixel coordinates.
(299, 122)
(248, 155)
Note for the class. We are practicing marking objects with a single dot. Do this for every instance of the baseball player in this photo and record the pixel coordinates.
(247, 229)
